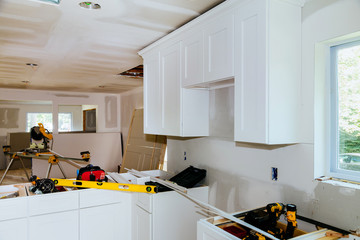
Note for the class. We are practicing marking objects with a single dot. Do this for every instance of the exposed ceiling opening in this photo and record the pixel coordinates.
(78, 49)
(134, 72)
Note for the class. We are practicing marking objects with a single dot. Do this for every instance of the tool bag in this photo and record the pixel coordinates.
(91, 173)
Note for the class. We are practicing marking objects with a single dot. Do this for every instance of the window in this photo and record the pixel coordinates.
(32, 119)
(65, 122)
(345, 111)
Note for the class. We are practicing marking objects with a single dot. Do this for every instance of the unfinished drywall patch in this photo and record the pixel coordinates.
(111, 112)
(9, 117)
(334, 201)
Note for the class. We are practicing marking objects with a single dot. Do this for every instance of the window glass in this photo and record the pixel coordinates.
(32, 119)
(65, 122)
(346, 110)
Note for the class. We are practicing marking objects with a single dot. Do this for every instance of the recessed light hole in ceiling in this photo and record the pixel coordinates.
(89, 5)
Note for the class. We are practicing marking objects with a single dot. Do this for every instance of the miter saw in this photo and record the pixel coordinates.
(41, 140)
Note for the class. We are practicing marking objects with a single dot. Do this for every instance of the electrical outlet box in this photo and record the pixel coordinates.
(274, 174)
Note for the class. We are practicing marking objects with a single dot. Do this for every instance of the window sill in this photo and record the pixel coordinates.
(339, 182)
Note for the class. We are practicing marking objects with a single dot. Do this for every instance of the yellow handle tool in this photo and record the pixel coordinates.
(105, 185)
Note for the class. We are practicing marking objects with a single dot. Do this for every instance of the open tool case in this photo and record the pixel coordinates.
(220, 228)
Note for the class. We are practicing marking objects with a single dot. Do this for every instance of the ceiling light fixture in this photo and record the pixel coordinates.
(89, 5)
(34, 66)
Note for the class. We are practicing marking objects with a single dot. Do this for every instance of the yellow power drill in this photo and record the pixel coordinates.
(291, 219)
(275, 210)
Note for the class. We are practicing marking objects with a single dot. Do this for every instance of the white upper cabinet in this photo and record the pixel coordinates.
(168, 108)
(256, 44)
(193, 58)
(268, 71)
(170, 77)
(153, 93)
(219, 48)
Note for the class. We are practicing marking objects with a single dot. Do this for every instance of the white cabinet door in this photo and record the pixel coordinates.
(268, 71)
(219, 48)
(152, 94)
(170, 76)
(170, 205)
(193, 58)
(56, 226)
(142, 225)
(251, 95)
(111, 222)
(14, 229)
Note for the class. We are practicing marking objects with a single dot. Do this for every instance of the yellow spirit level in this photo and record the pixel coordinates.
(105, 185)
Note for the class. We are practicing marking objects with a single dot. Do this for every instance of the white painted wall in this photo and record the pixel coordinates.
(108, 111)
(77, 115)
(239, 174)
(104, 145)
(129, 101)
(23, 109)
(104, 149)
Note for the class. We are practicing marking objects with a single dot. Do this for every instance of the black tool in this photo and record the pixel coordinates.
(44, 185)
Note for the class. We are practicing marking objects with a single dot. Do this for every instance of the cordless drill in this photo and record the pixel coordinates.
(275, 210)
(291, 219)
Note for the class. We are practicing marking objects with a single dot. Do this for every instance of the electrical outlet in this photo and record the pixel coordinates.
(274, 174)
(184, 155)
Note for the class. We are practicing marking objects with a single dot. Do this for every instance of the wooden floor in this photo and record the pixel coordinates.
(15, 176)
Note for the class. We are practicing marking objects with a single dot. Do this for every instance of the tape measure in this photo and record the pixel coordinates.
(105, 185)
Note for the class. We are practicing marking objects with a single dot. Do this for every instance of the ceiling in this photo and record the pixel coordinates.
(79, 49)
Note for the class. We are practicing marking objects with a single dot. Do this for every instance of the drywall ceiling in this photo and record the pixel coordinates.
(79, 49)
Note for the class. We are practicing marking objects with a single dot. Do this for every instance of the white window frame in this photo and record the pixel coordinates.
(333, 170)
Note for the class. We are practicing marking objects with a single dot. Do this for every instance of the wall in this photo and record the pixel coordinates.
(104, 149)
(23, 109)
(77, 115)
(129, 101)
(239, 174)
(108, 117)
(104, 145)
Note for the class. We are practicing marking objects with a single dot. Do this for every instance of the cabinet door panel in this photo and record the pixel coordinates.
(13, 229)
(152, 95)
(251, 95)
(193, 59)
(219, 48)
(57, 226)
(111, 222)
(170, 69)
(143, 225)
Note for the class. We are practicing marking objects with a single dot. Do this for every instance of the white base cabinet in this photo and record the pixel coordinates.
(55, 226)
(104, 222)
(13, 229)
(93, 214)
(167, 215)
(89, 214)
(207, 231)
